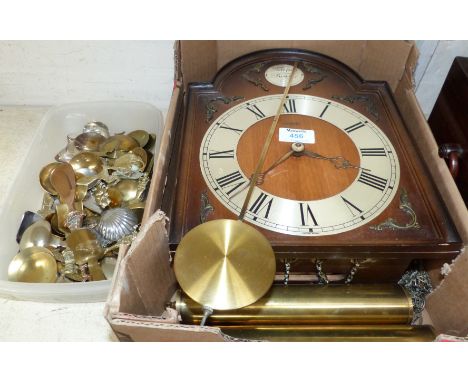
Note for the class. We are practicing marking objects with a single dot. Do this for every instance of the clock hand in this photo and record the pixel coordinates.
(261, 176)
(266, 146)
(339, 162)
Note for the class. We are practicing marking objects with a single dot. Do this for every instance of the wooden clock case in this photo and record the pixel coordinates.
(434, 237)
(144, 281)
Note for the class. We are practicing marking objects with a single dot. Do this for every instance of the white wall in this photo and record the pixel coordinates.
(56, 72)
(435, 60)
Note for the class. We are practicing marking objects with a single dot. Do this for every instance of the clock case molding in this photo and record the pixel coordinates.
(435, 238)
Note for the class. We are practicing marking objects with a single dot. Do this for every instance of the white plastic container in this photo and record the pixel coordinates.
(25, 192)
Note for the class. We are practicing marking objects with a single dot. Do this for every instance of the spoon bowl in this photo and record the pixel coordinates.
(96, 127)
(87, 164)
(141, 136)
(63, 180)
(128, 188)
(44, 177)
(118, 143)
(85, 247)
(33, 265)
(89, 141)
(36, 235)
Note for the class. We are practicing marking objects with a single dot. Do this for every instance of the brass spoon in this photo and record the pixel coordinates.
(54, 224)
(28, 219)
(128, 188)
(87, 164)
(61, 218)
(83, 242)
(87, 250)
(89, 141)
(63, 180)
(36, 235)
(118, 143)
(33, 265)
(96, 127)
(141, 136)
(95, 270)
(138, 207)
(44, 177)
(80, 194)
(142, 154)
(129, 161)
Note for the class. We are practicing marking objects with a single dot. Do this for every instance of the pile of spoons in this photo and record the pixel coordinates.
(94, 198)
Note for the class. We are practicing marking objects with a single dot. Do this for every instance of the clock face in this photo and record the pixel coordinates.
(346, 176)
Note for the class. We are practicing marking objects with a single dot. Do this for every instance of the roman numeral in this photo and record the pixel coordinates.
(306, 214)
(324, 110)
(260, 204)
(373, 152)
(354, 127)
(257, 112)
(237, 131)
(233, 180)
(221, 154)
(373, 181)
(352, 207)
(290, 106)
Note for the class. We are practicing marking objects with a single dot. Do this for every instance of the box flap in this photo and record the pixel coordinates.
(145, 281)
(373, 60)
(447, 304)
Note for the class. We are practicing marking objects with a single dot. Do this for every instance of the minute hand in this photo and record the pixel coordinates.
(339, 162)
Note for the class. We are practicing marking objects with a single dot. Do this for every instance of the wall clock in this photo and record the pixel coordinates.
(343, 183)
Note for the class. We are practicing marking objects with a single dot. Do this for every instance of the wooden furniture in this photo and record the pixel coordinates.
(360, 199)
(449, 123)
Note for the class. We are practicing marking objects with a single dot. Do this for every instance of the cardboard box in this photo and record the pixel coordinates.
(144, 281)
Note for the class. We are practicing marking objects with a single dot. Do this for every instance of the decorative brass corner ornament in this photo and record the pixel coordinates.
(309, 68)
(352, 272)
(252, 76)
(206, 208)
(211, 108)
(365, 100)
(322, 276)
(406, 207)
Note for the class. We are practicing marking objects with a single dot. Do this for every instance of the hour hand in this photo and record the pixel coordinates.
(261, 176)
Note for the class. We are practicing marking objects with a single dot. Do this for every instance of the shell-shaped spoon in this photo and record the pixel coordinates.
(117, 223)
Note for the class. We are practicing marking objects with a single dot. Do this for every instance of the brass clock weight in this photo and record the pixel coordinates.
(338, 199)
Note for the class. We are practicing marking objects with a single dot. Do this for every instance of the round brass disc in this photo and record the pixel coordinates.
(224, 264)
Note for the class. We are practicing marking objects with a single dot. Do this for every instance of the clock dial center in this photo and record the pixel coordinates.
(300, 177)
